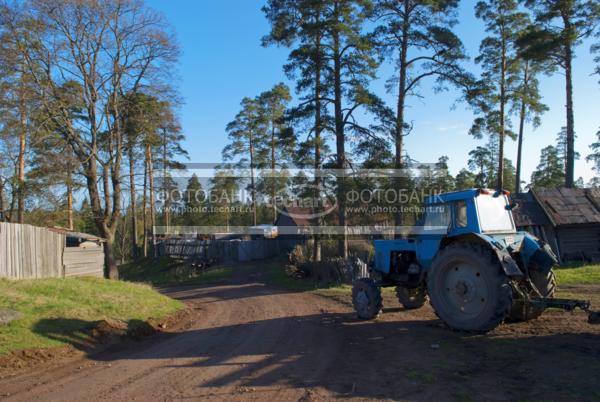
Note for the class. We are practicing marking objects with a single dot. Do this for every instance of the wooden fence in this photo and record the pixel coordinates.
(226, 250)
(85, 260)
(30, 252)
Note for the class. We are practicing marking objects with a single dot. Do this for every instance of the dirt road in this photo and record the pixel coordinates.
(247, 341)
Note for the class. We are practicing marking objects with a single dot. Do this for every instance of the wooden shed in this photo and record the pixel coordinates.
(293, 222)
(29, 252)
(83, 254)
(530, 217)
(566, 218)
(575, 216)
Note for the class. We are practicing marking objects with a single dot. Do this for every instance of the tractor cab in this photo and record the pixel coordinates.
(467, 257)
(470, 211)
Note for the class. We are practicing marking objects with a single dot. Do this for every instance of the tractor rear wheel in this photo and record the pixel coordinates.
(546, 285)
(411, 298)
(366, 298)
(468, 289)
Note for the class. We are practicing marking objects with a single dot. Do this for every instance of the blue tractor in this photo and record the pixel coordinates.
(465, 256)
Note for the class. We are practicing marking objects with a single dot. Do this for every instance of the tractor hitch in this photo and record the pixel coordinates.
(568, 305)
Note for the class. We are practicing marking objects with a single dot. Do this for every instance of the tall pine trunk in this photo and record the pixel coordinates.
(132, 200)
(399, 129)
(317, 173)
(69, 185)
(522, 117)
(252, 181)
(503, 67)
(22, 148)
(166, 195)
(570, 162)
(145, 209)
(339, 140)
(151, 198)
(274, 207)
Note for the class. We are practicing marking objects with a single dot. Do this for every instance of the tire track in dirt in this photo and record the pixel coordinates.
(247, 341)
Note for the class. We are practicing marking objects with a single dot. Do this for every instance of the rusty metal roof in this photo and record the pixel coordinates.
(569, 206)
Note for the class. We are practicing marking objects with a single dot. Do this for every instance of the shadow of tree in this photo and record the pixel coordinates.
(372, 359)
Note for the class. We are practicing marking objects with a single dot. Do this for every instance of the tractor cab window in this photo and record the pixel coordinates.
(493, 215)
(437, 217)
(460, 214)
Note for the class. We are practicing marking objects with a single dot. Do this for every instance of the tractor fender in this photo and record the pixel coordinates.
(509, 265)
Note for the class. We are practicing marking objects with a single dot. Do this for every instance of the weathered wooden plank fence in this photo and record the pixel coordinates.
(226, 250)
(30, 252)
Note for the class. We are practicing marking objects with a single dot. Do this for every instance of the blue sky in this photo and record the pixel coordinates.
(223, 62)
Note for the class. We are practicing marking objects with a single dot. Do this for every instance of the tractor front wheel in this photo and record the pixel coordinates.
(411, 298)
(366, 298)
(468, 288)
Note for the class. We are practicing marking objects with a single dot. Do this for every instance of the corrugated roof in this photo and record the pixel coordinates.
(529, 213)
(570, 206)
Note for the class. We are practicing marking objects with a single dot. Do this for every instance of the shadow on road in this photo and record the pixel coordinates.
(374, 359)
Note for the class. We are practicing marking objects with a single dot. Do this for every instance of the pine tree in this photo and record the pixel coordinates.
(501, 65)
(464, 180)
(194, 203)
(528, 106)
(302, 23)
(482, 162)
(417, 37)
(443, 181)
(560, 26)
(562, 147)
(550, 171)
(280, 140)
(353, 66)
(248, 136)
(594, 157)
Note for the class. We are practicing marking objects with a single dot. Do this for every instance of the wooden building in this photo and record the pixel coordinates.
(566, 218)
(30, 252)
(294, 222)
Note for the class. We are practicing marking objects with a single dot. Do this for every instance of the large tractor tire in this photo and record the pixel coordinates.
(546, 285)
(366, 298)
(411, 298)
(468, 289)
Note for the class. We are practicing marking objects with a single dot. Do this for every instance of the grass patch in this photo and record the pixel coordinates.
(166, 271)
(61, 311)
(421, 376)
(578, 275)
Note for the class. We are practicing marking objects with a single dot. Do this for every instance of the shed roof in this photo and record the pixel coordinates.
(299, 215)
(529, 212)
(569, 206)
(72, 233)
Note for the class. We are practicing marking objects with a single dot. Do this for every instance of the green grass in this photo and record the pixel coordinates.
(61, 311)
(578, 275)
(567, 275)
(165, 271)
(421, 376)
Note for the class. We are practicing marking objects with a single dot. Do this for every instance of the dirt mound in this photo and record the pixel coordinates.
(104, 333)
